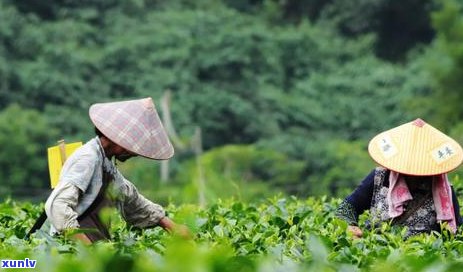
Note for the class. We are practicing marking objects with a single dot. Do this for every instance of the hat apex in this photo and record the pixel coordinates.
(419, 122)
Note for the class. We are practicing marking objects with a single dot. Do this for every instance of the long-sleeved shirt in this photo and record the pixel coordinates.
(80, 182)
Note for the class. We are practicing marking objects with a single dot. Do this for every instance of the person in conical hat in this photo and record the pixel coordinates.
(124, 129)
(410, 186)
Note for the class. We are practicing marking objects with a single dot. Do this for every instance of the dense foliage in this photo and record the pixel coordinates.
(276, 234)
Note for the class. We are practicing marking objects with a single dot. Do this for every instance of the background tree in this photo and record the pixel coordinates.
(445, 64)
(310, 80)
(23, 136)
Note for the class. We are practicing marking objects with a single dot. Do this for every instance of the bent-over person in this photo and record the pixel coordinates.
(90, 181)
(410, 188)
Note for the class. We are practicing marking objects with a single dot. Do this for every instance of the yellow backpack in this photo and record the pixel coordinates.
(57, 155)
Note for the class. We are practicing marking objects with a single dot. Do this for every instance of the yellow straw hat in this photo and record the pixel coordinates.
(416, 148)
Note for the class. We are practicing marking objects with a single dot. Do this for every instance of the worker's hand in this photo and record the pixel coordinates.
(77, 235)
(82, 237)
(182, 231)
(176, 229)
(355, 231)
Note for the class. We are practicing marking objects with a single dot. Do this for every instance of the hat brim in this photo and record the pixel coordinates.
(416, 150)
(133, 125)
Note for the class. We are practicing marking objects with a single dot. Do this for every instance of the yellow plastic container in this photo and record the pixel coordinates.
(57, 155)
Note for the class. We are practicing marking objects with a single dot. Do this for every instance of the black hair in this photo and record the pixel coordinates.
(98, 132)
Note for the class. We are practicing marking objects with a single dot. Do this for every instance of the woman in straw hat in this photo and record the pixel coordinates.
(411, 187)
(124, 130)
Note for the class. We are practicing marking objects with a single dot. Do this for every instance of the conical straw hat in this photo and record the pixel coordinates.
(135, 126)
(416, 148)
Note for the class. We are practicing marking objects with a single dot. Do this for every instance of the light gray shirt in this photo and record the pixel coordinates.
(80, 182)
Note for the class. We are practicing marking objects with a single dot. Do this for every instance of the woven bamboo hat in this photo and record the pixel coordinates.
(134, 125)
(416, 148)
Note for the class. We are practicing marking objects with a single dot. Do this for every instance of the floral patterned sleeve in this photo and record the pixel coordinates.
(346, 212)
(358, 201)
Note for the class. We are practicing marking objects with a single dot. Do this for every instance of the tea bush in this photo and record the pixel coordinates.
(278, 234)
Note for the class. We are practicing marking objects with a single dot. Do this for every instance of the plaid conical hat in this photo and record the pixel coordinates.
(416, 148)
(135, 126)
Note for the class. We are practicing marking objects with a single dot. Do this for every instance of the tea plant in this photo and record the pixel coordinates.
(278, 234)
